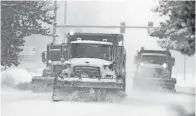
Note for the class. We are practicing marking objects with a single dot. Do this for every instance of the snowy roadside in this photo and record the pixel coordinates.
(82, 109)
(23, 75)
(186, 86)
(189, 83)
(17, 78)
(135, 103)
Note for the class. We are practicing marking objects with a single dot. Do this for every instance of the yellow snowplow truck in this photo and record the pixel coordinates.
(154, 70)
(95, 65)
(53, 58)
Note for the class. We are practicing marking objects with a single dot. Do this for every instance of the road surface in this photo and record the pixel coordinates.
(26, 103)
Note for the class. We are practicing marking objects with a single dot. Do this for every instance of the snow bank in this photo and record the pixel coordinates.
(190, 82)
(14, 77)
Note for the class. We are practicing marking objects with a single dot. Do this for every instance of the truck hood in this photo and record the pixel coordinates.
(56, 63)
(88, 62)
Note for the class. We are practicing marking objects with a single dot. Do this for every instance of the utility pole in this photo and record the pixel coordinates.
(55, 23)
(65, 17)
(65, 20)
(184, 68)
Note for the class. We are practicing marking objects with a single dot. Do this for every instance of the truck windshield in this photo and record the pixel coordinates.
(82, 50)
(153, 59)
(54, 55)
(54, 52)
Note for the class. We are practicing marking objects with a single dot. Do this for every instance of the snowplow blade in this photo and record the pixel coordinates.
(102, 84)
(160, 84)
(42, 84)
(94, 88)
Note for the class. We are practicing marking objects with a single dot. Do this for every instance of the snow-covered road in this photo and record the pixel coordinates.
(26, 103)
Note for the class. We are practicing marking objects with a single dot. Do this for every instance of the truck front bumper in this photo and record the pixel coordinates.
(89, 83)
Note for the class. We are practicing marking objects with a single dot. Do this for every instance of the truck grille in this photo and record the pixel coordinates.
(158, 71)
(150, 72)
(57, 68)
(90, 71)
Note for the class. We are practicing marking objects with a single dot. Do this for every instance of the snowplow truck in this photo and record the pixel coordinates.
(53, 58)
(154, 71)
(95, 64)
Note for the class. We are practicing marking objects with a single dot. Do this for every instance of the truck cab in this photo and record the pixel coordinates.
(52, 57)
(155, 65)
(95, 56)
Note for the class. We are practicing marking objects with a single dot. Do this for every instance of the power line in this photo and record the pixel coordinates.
(101, 26)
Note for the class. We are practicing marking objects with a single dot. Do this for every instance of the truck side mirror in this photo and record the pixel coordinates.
(173, 61)
(44, 57)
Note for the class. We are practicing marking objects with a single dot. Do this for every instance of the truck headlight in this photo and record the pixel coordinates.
(141, 63)
(164, 65)
(49, 61)
(62, 59)
(106, 64)
(67, 63)
(71, 33)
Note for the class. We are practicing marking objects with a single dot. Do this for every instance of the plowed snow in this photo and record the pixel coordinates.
(15, 76)
(23, 103)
